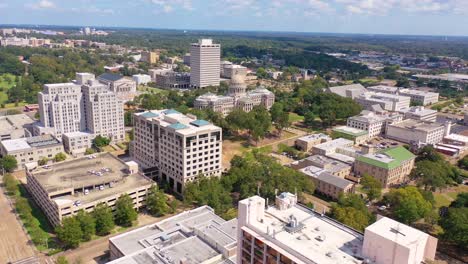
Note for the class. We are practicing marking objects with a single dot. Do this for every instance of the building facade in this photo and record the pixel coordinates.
(124, 87)
(171, 79)
(150, 57)
(420, 97)
(205, 57)
(390, 167)
(237, 98)
(31, 149)
(372, 122)
(420, 113)
(415, 132)
(389, 102)
(307, 142)
(180, 147)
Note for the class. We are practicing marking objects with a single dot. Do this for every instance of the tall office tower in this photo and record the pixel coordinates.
(178, 148)
(60, 109)
(104, 111)
(205, 57)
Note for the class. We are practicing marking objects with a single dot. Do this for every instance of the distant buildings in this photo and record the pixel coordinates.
(351, 91)
(420, 97)
(64, 188)
(205, 59)
(390, 102)
(82, 106)
(419, 113)
(289, 233)
(150, 57)
(15, 126)
(417, 132)
(390, 166)
(171, 79)
(141, 79)
(24, 42)
(123, 86)
(228, 69)
(31, 149)
(194, 236)
(237, 98)
(179, 147)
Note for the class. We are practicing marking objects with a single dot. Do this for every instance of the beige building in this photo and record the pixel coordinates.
(330, 147)
(420, 97)
(76, 143)
(124, 87)
(205, 57)
(306, 143)
(150, 57)
(15, 126)
(389, 102)
(179, 147)
(415, 132)
(64, 188)
(420, 113)
(229, 70)
(390, 166)
(408, 245)
(237, 97)
(32, 149)
(375, 123)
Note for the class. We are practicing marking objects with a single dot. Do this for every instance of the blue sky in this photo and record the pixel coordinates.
(425, 17)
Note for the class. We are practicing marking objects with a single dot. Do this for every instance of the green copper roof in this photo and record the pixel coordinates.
(398, 154)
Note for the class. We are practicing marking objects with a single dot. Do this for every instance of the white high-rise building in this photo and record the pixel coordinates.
(60, 109)
(178, 147)
(84, 105)
(205, 57)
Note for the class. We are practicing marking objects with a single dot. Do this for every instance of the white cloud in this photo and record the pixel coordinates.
(43, 4)
(170, 5)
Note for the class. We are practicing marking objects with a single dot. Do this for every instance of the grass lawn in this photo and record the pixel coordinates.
(5, 86)
(293, 117)
(441, 200)
(145, 88)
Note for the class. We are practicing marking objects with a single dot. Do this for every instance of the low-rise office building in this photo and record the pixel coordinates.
(15, 126)
(141, 79)
(372, 122)
(389, 102)
(194, 236)
(416, 132)
(64, 188)
(420, 97)
(357, 135)
(306, 143)
(124, 87)
(171, 79)
(330, 147)
(32, 149)
(390, 166)
(419, 113)
(287, 232)
(77, 143)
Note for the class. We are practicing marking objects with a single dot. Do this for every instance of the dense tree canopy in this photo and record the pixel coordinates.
(408, 204)
(102, 214)
(352, 211)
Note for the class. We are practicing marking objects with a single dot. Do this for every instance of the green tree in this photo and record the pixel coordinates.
(455, 225)
(62, 260)
(125, 214)
(9, 163)
(279, 116)
(87, 224)
(69, 233)
(372, 187)
(102, 214)
(89, 151)
(309, 118)
(351, 210)
(156, 202)
(408, 204)
(100, 141)
(60, 157)
(11, 184)
(461, 201)
(43, 161)
(259, 122)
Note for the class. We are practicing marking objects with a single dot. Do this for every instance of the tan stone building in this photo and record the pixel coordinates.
(306, 143)
(150, 57)
(390, 167)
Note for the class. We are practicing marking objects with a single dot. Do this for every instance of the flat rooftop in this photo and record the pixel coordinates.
(321, 239)
(182, 124)
(418, 92)
(388, 158)
(177, 238)
(355, 132)
(87, 173)
(339, 142)
(22, 144)
(397, 232)
(418, 125)
(418, 111)
(385, 88)
(313, 137)
(14, 124)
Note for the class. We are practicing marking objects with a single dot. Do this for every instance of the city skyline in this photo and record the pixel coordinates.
(402, 17)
